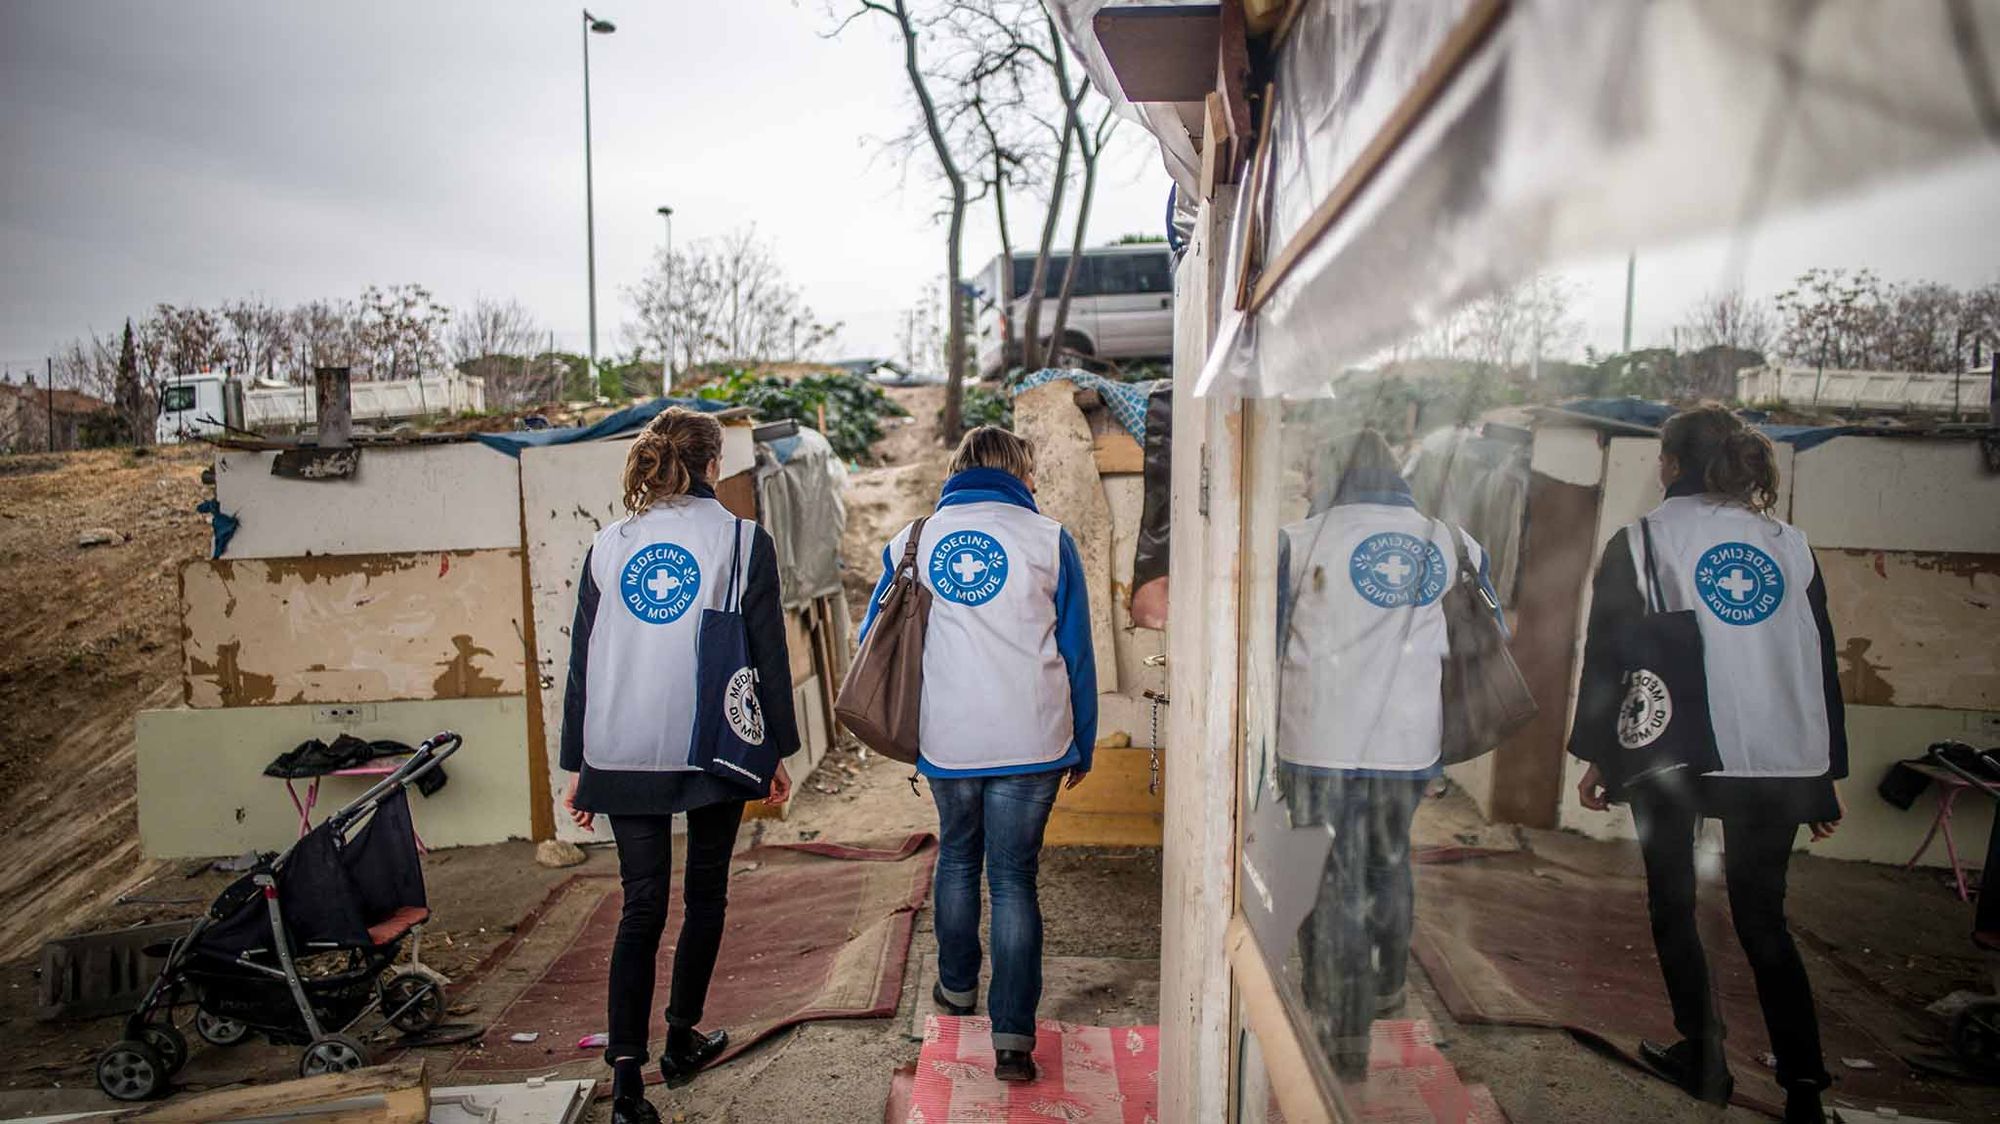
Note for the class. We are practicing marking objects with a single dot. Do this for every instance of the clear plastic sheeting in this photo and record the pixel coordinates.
(1577, 129)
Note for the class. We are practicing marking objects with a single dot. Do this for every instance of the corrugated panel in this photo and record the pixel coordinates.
(352, 628)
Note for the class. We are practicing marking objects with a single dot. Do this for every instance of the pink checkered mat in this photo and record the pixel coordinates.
(1092, 1073)
(1095, 1073)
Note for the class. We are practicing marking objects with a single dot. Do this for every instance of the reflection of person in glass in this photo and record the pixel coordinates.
(1361, 650)
(1780, 731)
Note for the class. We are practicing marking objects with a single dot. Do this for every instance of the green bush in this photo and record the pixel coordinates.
(854, 406)
(986, 407)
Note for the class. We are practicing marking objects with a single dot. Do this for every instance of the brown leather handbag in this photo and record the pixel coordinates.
(881, 699)
(1485, 697)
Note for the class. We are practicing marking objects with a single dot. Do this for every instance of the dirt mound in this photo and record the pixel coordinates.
(881, 499)
(88, 637)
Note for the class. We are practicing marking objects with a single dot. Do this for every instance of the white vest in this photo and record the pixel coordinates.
(655, 573)
(1745, 576)
(996, 689)
(1362, 659)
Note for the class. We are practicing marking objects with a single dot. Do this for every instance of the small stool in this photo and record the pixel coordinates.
(1949, 785)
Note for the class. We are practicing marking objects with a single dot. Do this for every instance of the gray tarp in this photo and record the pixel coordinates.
(799, 494)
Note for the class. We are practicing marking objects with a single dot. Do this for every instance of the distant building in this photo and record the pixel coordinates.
(25, 410)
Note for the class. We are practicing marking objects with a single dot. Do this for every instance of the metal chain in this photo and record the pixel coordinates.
(1153, 749)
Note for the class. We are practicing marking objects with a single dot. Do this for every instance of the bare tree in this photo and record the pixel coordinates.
(911, 30)
(1089, 147)
(729, 301)
(323, 334)
(260, 338)
(493, 327)
(1832, 318)
(1729, 319)
(401, 331)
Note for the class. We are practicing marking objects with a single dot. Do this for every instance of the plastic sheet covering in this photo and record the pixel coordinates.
(1177, 148)
(1577, 129)
(1478, 481)
(800, 500)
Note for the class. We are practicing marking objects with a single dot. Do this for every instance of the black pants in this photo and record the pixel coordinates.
(1755, 857)
(645, 855)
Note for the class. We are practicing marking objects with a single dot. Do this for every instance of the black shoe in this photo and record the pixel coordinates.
(687, 1053)
(1014, 1065)
(633, 1110)
(946, 1005)
(1802, 1105)
(1701, 1073)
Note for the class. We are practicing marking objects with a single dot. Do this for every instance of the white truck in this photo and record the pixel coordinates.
(211, 402)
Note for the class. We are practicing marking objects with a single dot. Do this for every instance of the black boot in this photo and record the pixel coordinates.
(1014, 1065)
(688, 1050)
(1802, 1105)
(633, 1110)
(1698, 1068)
(946, 1005)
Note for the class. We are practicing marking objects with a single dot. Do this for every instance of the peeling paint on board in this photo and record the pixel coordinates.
(1915, 628)
(353, 628)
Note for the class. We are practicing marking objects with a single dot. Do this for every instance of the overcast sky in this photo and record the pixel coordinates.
(205, 150)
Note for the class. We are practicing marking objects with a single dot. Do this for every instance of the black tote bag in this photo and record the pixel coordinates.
(1663, 725)
(729, 736)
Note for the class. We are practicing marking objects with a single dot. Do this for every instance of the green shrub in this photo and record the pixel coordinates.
(854, 406)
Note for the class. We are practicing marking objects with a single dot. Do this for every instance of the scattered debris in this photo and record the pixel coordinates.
(96, 536)
(1857, 1063)
(593, 1041)
(525, 1036)
(558, 853)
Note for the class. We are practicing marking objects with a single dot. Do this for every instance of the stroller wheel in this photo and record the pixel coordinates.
(219, 1031)
(336, 1053)
(131, 1071)
(413, 1000)
(169, 1042)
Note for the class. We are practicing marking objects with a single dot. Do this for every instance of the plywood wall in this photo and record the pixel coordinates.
(1884, 493)
(420, 498)
(1915, 628)
(352, 628)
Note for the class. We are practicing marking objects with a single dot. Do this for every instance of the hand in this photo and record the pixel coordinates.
(1076, 775)
(781, 787)
(1591, 790)
(582, 819)
(1825, 828)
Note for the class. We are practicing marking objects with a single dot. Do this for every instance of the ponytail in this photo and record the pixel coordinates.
(669, 457)
(1730, 459)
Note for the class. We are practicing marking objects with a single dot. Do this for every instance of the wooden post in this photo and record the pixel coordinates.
(334, 404)
(1198, 838)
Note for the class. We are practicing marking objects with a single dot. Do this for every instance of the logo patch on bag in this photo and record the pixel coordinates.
(659, 583)
(1739, 583)
(1392, 570)
(1647, 711)
(741, 708)
(968, 567)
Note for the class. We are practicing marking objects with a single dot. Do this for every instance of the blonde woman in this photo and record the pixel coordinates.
(628, 718)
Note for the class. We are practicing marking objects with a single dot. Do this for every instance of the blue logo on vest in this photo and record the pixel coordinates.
(659, 583)
(968, 567)
(1392, 570)
(1739, 583)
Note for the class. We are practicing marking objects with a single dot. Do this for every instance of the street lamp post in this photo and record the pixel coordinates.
(591, 26)
(667, 364)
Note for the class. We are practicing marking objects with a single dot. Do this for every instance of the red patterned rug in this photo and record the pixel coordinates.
(815, 931)
(1091, 1073)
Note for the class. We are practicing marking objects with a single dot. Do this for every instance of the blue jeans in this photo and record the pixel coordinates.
(998, 820)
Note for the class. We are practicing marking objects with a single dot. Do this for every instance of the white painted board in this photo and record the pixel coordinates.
(1897, 493)
(402, 500)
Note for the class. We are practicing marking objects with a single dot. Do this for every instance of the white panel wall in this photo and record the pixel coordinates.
(403, 500)
(1918, 494)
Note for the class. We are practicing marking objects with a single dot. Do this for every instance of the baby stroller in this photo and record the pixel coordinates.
(299, 948)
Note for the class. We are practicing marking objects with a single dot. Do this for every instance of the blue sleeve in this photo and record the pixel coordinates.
(875, 598)
(1073, 641)
(1284, 590)
(570, 749)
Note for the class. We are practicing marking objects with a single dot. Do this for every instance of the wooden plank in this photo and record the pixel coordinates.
(1160, 54)
(1118, 453)
(1471, 33)
(1111, 808)
(260, 1100)
(541, 800)
(1285, 1060)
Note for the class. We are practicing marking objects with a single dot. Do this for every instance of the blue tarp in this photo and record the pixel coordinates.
(1125, 400)
(1653, 415)
(624, 421)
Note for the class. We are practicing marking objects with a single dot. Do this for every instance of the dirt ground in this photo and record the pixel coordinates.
(88, 636)
(882, 498)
